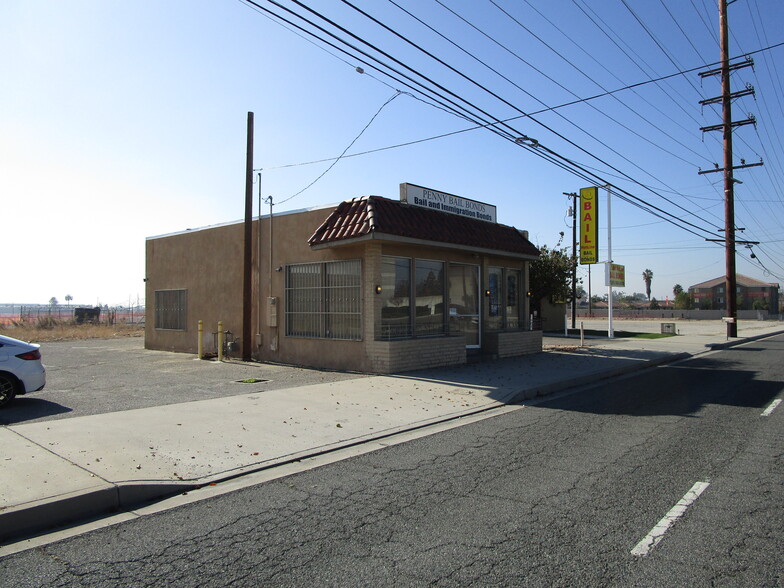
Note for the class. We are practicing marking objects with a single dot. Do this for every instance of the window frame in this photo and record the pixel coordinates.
(176, 310)
(329, 319)
(411, 328)
(500, 299)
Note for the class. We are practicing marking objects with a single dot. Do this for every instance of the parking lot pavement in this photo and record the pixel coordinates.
(99, 376)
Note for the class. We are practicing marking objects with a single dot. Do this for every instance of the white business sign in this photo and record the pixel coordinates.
(434, 200)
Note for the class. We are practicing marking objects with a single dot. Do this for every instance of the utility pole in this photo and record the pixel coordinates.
(729, 181)
(574, 257)
(610, 330)
(247, 284)
(729, 187)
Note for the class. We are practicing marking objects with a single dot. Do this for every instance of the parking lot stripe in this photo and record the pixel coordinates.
(657, 533)
(771, 407)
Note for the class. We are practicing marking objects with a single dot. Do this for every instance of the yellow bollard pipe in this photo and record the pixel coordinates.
(220, 340)
(200, 344)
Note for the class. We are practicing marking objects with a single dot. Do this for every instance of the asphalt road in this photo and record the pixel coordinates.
(98, 376)
(563, 493)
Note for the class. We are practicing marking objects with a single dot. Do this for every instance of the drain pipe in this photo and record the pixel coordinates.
(259, 297)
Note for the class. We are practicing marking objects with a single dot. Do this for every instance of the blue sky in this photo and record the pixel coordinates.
(124, 120)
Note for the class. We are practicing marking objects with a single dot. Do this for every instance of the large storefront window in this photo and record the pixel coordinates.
(323, 300)
(395, 297)
(495, 312)
(503, 300)
(513, 279)
(464, 310)
(412, 307)
(429, 318)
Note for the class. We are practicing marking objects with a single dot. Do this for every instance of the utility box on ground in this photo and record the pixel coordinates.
(668, 329)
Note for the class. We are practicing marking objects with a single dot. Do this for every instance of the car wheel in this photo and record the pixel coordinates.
(7, 389)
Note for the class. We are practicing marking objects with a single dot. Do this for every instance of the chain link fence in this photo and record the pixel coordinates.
(37, 314)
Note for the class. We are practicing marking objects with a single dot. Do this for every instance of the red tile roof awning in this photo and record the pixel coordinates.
(374, 217)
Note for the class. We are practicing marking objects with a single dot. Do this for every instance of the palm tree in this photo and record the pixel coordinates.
(647, 277)
(68, 299)
(677, 289)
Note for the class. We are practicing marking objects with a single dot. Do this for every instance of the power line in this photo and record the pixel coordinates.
(395, 95)
(636, 60)
(593, 80)
(479, 126)
(494, 124)
(506, 102)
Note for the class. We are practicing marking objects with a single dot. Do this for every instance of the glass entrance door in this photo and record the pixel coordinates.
(464, 315)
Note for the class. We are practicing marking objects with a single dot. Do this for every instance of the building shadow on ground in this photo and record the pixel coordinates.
(683, 389)
(674, 388)
(502, 379)
(24, 409)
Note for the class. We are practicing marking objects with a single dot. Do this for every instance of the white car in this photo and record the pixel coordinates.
(21, 370)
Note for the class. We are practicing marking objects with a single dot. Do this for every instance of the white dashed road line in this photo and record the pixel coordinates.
(657, 533)
(771, 407)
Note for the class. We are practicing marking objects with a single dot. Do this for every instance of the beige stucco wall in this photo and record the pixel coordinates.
(208, 264)
(214, 283)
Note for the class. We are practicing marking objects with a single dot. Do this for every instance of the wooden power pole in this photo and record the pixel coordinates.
(247, 282)
(726, 127)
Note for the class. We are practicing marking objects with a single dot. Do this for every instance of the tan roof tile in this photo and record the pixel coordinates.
(364, 216)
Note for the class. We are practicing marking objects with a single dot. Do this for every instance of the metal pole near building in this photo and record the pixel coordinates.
(247, 284)
(610, 332)
(590, 303)
(574, 259)
(574, 196)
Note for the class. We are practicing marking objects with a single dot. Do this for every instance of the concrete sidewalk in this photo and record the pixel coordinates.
(62, 471)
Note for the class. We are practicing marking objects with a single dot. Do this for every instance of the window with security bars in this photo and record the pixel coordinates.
(323, 300)
(171, 309)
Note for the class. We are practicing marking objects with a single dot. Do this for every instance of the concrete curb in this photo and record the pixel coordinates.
(741, 341)
(33, 518)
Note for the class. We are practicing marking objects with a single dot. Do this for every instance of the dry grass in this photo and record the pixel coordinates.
(69, 331)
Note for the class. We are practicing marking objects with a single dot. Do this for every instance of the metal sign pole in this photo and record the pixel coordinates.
(610, 333)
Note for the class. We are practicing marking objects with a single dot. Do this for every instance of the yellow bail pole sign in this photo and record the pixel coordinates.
(589, 225)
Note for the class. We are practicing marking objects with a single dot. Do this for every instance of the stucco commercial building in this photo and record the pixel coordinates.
(374, 284)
